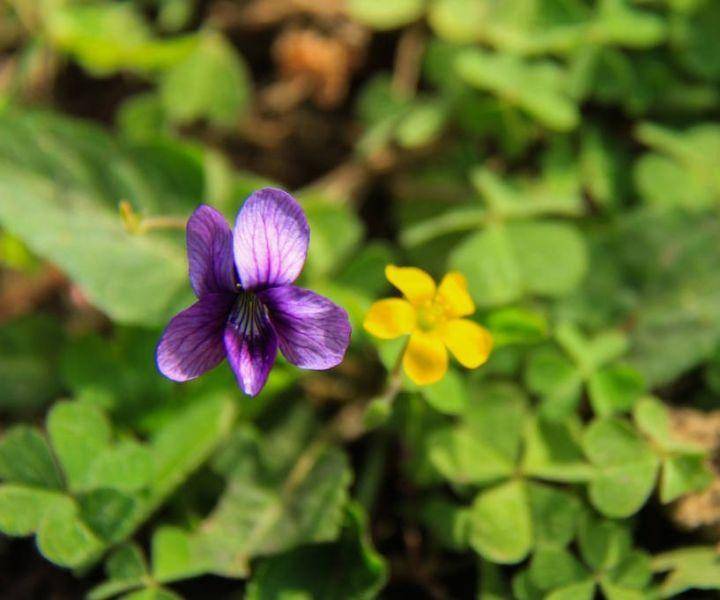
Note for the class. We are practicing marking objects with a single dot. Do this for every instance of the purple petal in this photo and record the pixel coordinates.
(251, 344)
(209, 248)
(270, 240)
(192, 343)
(313, 332)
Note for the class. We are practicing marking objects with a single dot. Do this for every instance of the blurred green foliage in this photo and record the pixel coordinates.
(564, 155)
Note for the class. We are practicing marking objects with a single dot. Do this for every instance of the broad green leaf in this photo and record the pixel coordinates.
(682, 475)
(653, 419)
(556, 191)
(210, 83)
(603, 544)
(379, 14)
(501, 523)
(356, 567)
(555, 515)
(125, 569)
(689, 568)
(277, 498)
(449, 395)
(523, 587)
(109, 513)
(553, 452)
(584, 590)
(556, 379)
(64, 538)
(615, 592)
(626, 467)
(519, 27)
(462, 457)
(106, 38)
(552, 568)
(504, 262)
(680, 173)
(61, 198)
(25, 458)
(128, 466)
(516, 326)
(615, 389)
(22, 508)
(537, 88)
(634, 571)
(422, 124)
(78, 433)
(497, 414)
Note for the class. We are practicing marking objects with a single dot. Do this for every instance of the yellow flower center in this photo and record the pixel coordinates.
(430, 316)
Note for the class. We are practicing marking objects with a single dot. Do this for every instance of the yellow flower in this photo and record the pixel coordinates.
(432, 316)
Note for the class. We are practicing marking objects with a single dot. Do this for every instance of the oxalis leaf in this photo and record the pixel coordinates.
(101, 490)
(60, 184)
(504, 262)
(536, 88)
(626, 467)
(357, 569)
(278, 496)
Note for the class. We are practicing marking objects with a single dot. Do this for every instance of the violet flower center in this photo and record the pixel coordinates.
(248, 315)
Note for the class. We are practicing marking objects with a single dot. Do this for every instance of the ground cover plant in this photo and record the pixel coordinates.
(352, 299)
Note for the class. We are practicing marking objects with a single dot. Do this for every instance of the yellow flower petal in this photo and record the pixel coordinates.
(415, 284)
(390, 318)
(469, 342)
(453, 295)
(425, 360)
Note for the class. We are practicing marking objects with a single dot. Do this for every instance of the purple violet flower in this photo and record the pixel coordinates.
(247, 306)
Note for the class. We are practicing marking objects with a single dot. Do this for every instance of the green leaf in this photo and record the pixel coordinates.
(552, 568)
(105, 38)
(78, 433)
(464, 458)
(356, 567)
(128, 466)
(682, 475)
(379, 14)
(497, 414)
(516, 326)
(680, 173)
(277, 498)
(689, 568)
(584, 590)
(603, 544)
(652, 418)
(501, 523)
(556, 379)
(626, 467)
(535, 87)
(553, 451)
(449, 395)
(504, 262)
(61, 199)
(125, 568)
(634, 571)
(64, 538)
(211, 82)
(615, 389)
(22, 508)
(422, 124)
(555, 514)
(26, 458)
